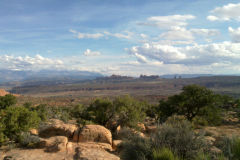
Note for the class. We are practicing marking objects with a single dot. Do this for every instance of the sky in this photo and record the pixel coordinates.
(124, 37)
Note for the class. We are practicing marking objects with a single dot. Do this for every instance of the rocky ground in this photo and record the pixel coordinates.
(61, 141)
(64, 141)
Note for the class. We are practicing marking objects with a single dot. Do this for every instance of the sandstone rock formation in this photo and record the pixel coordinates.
(94, 143)
(57, 127)
(93, 133)
(54, 144)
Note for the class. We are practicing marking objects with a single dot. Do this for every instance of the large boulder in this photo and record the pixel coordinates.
(93, 133)
(57, 127)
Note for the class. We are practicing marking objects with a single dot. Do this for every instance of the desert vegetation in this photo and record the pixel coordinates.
(181, 127)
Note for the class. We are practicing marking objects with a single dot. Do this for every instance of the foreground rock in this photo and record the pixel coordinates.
(54, 144)
(94, 154)
(57, 127)
(74, 151)
(93, 133)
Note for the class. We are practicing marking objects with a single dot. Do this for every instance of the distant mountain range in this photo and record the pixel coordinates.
(9, 76)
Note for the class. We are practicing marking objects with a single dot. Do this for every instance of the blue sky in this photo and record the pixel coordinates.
(127, 37)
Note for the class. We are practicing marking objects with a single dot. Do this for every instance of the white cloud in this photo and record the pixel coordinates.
(205, 32)
(158, 52)
(80, 35)
(177, 33)
(124, 35)
(225, 13)
(189, 35)
(212, 18)
(27, 62)
(197, 55)
(235, 34)
(168, 21)
(144, 36)
(88, 52)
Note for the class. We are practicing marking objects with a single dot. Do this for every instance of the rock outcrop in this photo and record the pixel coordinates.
(94, 142)
(54, 144)
(57, 127)
(93, 133)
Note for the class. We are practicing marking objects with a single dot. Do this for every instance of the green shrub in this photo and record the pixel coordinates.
(17, 120)
(43, 111)
(236, 148)
(101, 111)
(136, 148)
(129, 111)
(163, 154)
(7, 100)
(124, 111)
(28, 140)
(78, 111)
(203, 156)
(230, 147)
(124, 134)
(2, 135)
(193, 101)
(178, 135)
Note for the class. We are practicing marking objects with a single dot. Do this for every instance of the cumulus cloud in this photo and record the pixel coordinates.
(88, 52)
(207, 54)
(235, 34)
(225, 13)
(80, 35)
(166, 22)
(162, 53)
(27, 62)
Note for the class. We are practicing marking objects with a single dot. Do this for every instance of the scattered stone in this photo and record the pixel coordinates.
(34, 132)
(210, 140)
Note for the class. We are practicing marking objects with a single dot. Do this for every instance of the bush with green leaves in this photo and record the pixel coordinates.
(124, 111)
(178, 135)
(17, 120)
(28, 140)
(137, 148)
(101, 111)
(7, 100)
(129, 111)
(163, 154)
(230, 147)
(193, 101)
